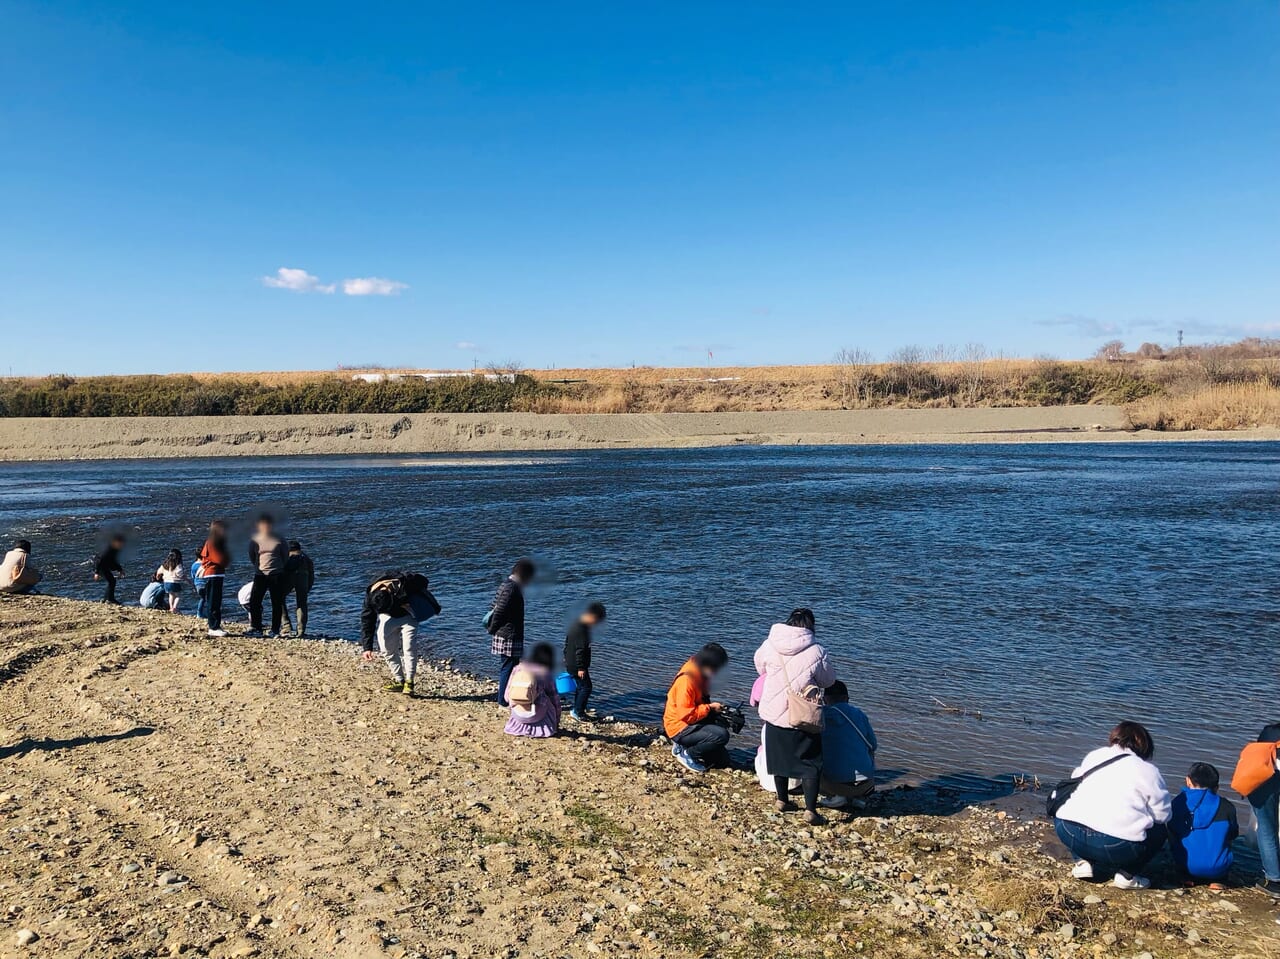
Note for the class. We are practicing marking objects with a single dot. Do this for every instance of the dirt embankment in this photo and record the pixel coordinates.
(163, 794)
(154, 437)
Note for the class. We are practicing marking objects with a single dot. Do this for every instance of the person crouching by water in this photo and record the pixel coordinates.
(214, 559)
(17, 575)
(1202, 828)
(698, 740)
(1114, 820)
(577, 657)
(795, 670)
(535, 704)
(505, 623)
(848, 750)
(394, 606)
(268, 556)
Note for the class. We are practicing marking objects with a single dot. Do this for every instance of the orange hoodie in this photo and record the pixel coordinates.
(687, 701)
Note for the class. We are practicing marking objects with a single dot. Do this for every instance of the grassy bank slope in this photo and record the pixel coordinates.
(163, 794)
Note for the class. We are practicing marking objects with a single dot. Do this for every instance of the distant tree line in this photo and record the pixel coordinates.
(233, 396)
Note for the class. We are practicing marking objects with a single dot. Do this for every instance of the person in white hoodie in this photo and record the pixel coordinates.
(1114, 820)
(793, 665)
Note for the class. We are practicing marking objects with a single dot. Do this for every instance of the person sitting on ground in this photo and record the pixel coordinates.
(848, 750)
(535, 704)
(697, 740)
(1202, 828)
(577, 657)
(106, 566)
(153, 596)
(1114, 821)
(173, 573)
(17, 575)
(300, 572)
(795, 670)
(394, 605)
(505, 622)
(1257, 780)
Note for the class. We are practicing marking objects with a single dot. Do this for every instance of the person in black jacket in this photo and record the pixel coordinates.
(300, 574)
(505, 622)
(395, 603)
(106, 565)
(268, 556)
(577, 657)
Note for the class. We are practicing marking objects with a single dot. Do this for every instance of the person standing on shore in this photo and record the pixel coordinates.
(173, 573)
(394, 605)
(577, 657)
(214, 558)
(505, 622)
(106, 566)
(17, 575)
(301, 574)
(1256, 777)
(795, 670)
(269, 556)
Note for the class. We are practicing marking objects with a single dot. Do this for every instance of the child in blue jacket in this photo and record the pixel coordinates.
(1202, 828)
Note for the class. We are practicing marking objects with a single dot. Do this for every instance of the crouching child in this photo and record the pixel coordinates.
(1202, 828)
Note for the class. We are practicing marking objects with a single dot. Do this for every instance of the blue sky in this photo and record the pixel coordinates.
(601, 184)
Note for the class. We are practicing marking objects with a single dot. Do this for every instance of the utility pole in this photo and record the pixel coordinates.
(1179, 339)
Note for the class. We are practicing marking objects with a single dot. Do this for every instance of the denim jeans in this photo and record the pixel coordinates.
(505, 665)
(1265, 801)
(213, 601)
(583, 694)
(705, 742)
(1107, 854)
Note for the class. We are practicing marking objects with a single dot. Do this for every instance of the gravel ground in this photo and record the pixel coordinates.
(164, 794)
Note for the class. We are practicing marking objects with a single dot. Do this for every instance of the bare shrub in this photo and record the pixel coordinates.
(855, 376)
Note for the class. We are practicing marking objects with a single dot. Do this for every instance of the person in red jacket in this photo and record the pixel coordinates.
(697, 740)
(214, 558)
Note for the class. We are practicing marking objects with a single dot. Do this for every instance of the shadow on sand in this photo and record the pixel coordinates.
(25, 746)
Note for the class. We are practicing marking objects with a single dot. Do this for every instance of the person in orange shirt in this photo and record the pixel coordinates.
(690, 718)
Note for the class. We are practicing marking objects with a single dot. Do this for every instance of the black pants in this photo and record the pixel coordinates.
(110, 595)
(583, 694)
(213, 601)
(705, 742)
(264, 584)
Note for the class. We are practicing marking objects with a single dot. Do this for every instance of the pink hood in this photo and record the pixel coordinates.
(806, 664)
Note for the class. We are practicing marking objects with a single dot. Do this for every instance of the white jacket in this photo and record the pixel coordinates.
(806, 665)
(1124, 800)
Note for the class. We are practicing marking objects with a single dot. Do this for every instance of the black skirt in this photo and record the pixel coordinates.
(792, 753)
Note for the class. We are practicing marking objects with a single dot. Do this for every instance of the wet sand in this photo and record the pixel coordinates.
(164, 794)
(155, 437)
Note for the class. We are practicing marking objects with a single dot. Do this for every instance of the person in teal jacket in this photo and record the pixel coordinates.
(1202, 828)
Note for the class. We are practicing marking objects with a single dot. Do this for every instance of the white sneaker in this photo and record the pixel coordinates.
(834, 802)
(1082, 870)
(1125, 881)
(217, 632)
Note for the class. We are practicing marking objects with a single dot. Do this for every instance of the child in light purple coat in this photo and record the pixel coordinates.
(540, 718)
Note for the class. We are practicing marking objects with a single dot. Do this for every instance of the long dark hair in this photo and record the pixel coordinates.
(218, 535)
(173, 560)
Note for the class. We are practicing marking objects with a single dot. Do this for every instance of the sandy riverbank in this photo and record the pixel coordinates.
(153, 437)
(163, 794)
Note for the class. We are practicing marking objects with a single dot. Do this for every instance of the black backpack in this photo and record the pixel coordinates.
(1062, 792)
(388, 595)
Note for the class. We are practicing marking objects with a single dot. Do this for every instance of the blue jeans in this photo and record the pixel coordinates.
(505, 665)
(705, 742)
(1107, 854)
(583, 694)
(1265, 801)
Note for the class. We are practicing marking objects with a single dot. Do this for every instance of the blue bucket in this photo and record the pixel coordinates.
(566, 685)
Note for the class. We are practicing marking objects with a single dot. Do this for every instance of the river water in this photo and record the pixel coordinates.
(994, 609)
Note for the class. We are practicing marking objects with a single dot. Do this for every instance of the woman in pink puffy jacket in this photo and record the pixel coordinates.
(792, 658)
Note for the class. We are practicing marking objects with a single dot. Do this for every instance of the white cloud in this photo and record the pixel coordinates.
(465, 345)
(300, 281)
(1083, 325)
(372, 286)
